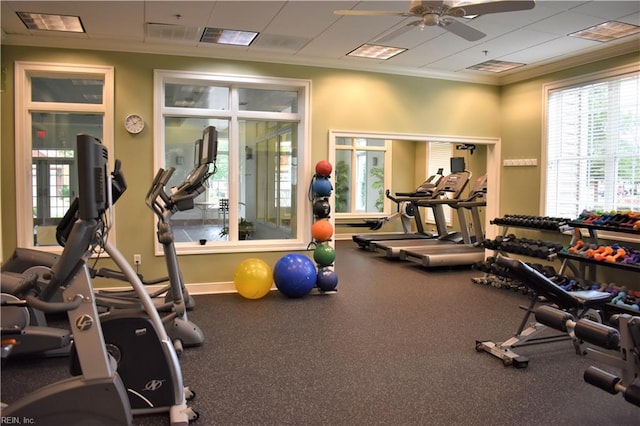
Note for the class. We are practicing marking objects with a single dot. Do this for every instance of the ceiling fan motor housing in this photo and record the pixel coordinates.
(421, 8)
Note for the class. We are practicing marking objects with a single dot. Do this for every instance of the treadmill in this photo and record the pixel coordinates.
(448, 254)
(407, 212)
(448, 192)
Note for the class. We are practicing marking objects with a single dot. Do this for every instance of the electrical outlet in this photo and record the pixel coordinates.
(137, 259)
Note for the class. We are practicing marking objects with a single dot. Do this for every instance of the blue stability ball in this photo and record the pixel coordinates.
(322, 187)
(327, 279)
(294, 275)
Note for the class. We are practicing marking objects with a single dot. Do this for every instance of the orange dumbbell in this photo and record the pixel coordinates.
(577, 246)
(620, 254)
(602, 252)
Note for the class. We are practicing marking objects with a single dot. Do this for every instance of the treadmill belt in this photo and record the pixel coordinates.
(446, 255)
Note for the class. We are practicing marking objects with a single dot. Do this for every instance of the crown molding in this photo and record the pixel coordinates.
(236, 54)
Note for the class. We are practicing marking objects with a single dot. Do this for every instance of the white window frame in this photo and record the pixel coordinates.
(234, 115)
(386, 149)
(24, 106)
(578, 81)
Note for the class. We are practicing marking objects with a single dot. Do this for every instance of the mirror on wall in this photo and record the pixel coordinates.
(402, 164)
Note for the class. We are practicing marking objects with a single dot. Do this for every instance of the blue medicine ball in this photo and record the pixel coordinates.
(327, 279)
(294, 275)
(322, 187)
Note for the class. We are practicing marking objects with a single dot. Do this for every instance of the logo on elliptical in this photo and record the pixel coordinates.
(84, 323)
(153, 385)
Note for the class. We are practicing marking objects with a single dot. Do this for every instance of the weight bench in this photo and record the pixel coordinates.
(580, 304)
(622, 345)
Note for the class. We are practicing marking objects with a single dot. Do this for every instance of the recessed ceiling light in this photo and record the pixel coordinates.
(224, 36)
(375, 51)
(48, 22)
(495, 66)
(607, 31)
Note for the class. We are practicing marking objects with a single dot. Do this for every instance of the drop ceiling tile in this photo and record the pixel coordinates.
(559, 47)
(520, 19)
(244, 15)
(515, 41)
(305, 18)
(609, 9)
(565, 23)
(347, 34)
(192, 13)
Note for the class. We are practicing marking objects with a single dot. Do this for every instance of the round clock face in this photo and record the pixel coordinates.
(134, 123)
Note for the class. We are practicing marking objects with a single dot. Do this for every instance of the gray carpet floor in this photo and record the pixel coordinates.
(394, 346)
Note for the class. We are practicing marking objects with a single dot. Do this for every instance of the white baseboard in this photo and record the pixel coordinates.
(193, 288)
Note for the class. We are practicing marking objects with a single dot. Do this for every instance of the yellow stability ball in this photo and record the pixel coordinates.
(253, 278)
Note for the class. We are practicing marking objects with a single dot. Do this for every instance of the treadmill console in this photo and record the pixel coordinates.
(480, 185)
(454, 184)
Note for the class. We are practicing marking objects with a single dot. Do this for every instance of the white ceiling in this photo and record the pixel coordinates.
(307, 32)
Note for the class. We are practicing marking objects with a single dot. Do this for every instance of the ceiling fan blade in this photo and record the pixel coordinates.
(370, 13)
(495, 6)
(462, 30)
(397, 33)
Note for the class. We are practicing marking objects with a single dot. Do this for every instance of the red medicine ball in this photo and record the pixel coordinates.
(323, 168)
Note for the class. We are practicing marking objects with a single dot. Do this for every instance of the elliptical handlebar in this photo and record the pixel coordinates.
(53, 307)
(157, 199)
(179, 198)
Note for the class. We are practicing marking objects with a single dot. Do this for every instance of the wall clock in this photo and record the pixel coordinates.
(134, 124)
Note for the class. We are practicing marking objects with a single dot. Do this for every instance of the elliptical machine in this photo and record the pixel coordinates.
(98, 396)
(134, 345)
(138, 341)
(183, 332)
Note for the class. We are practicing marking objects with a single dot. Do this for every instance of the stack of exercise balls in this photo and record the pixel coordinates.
(322, 230)
(295, 275)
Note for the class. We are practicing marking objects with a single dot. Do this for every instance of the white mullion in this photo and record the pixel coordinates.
(234, 161)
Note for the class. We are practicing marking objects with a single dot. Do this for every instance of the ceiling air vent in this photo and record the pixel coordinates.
(172, 33)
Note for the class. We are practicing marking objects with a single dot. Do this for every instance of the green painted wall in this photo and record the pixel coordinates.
(341, 100)
(521, 127)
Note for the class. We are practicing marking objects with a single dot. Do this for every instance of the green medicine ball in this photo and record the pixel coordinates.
(324, 255)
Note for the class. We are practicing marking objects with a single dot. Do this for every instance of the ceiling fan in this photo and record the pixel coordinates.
(442, 14)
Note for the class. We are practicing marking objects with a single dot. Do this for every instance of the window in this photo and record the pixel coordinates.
(593, 144)
(53, 104)
(254, 200)
(362, 174)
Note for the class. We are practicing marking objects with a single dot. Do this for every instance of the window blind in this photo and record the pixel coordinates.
(593, 147)
(439, 157)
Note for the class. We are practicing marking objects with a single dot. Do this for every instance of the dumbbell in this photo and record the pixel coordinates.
(620, 253)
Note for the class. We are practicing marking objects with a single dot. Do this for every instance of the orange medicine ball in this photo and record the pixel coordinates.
(322, 230)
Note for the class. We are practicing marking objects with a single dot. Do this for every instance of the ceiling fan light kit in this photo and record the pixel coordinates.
(437, 13)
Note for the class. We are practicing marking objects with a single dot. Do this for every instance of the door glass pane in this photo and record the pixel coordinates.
(370, 182)
(69, 90)
(54, 180)
(208, 219)
(370, 142)
(268, 186)
(343, 181)
(196, 96)
(268, 100)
